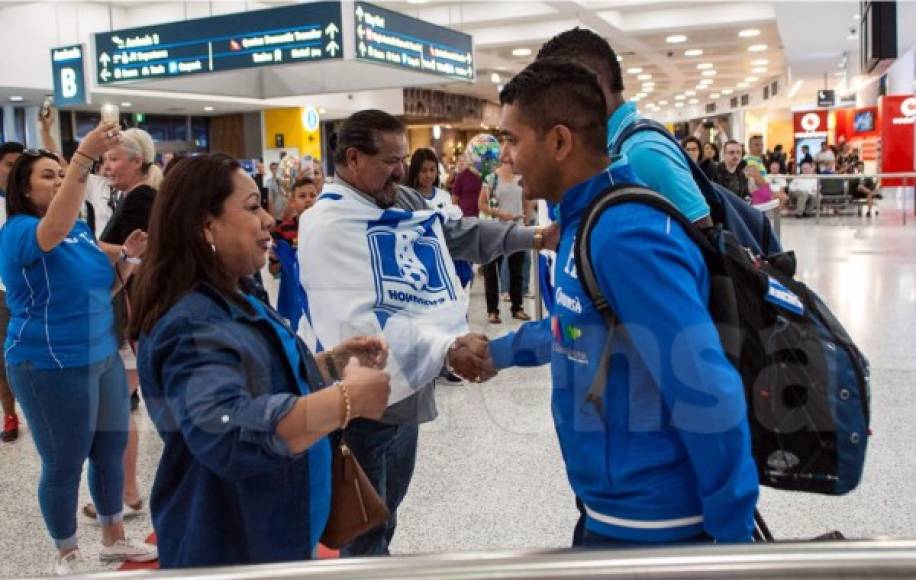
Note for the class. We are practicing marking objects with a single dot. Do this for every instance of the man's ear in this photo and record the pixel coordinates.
(352, 157)
(560, 140)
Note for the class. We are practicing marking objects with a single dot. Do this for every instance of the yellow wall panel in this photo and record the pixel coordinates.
(289, 123)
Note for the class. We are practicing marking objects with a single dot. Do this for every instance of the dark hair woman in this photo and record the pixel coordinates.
(240, 403)
(710, 162)
(61, 350)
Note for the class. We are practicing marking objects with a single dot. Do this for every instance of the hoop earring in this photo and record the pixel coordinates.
(213, 248)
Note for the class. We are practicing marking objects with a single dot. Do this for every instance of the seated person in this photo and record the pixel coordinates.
(866, 188)
(779, 185)
(804, 191)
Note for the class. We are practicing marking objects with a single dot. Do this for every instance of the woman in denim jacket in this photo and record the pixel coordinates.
(239, 402)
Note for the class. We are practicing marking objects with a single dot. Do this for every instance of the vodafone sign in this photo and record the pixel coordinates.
(907, 112)
(810, 122)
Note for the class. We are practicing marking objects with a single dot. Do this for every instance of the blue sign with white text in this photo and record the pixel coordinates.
(391, 38)
(69, 81)
(286, 35)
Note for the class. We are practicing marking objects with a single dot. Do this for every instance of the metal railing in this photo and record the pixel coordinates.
(852, 559)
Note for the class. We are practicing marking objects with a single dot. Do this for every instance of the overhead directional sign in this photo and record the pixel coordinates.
(67, 68)
(289, 34)
(383, 36)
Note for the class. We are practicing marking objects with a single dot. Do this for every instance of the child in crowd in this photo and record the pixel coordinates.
(283, 255)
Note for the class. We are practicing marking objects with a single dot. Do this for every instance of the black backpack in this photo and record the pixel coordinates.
(749, 225)
(805, 381)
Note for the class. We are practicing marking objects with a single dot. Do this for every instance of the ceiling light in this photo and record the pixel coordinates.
(709, 73)
(644, 77)
(322, 111)
(634, 70)
(749, 33)
(494, 78)
(690, 93)
(852, 37)
(841, 73)
(702, 87)
(707, 81)
(704, 66)
(760, 70)
(679, 97)
(742, 85)
(795, 88)
(693, 101)
(417, 1)
(521, 52)
(760, 62)
(752, 79)
(726, 91)
(663, 103)
(676, 39)
(856, 17)
(678, 105)
(714, 95)
(16, 98)
(694, 52)
(757, 48)
(619, 58)
(647, 89)
(208, 108)
(126, 104)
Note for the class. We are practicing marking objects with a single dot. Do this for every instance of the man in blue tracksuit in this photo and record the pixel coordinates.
(665, 456)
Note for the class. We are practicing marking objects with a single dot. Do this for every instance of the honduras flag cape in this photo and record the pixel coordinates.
(369, 271)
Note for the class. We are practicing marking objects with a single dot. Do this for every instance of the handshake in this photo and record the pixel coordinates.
(469, 357)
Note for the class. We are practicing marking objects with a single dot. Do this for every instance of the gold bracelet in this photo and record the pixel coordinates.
(94, 160)
(348, 409)
(538, 239)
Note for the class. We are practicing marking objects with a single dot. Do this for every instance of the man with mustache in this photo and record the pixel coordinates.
(369, 162)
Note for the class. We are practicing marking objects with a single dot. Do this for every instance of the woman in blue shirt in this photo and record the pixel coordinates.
(61, 352)
(236, 397)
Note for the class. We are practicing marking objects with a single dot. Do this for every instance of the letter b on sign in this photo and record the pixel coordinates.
(68, 84)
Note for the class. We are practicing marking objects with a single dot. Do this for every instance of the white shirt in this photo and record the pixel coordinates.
(804, 184)
(825, 160)
(98, 193)
(442, 199)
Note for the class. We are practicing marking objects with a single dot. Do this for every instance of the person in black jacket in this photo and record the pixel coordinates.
(694, 148)
(730, 173)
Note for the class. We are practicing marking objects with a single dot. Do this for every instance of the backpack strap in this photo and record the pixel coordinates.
(717, 212)
(616, 195)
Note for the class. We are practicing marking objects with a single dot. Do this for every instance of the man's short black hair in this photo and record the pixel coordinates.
(586, 48)
(10, 147)
(551, 92)
(361, 131)
(731, 142)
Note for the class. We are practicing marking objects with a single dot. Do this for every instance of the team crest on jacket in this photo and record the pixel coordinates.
(409, 270)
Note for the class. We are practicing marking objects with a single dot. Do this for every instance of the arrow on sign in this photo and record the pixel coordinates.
(361, 32)
(104, 59)
(359, 13)
(331, 30)
(468, 57)
(332, 48)
(105, 75)
(362, 48)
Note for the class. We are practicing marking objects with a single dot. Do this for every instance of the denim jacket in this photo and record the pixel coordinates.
(216, 381)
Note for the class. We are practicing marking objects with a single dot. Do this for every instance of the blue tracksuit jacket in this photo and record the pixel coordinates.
(668, 456)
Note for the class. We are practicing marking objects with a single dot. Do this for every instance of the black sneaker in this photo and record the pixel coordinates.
(450, 378)
(134, 402)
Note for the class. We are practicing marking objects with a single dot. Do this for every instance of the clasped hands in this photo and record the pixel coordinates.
(469, 357)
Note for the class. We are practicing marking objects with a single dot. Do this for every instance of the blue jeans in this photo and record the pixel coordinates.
(526, 274)
(591, 540)
(387, 453)
(74, 414)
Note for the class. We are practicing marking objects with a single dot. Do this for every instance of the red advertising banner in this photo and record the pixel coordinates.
(898, 115)
(809, 123)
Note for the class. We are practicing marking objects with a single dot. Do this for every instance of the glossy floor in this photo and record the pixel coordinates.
(489, 474)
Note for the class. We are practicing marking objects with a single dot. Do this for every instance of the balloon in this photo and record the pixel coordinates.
(482, 154)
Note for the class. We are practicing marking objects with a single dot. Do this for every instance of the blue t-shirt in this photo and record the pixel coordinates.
(59, 301)
(319, 453)
(658, 163)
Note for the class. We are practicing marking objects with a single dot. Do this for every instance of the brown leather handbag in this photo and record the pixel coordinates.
(356, 507)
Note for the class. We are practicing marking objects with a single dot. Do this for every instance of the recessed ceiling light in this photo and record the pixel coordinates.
(521, 52)
(702, 87)
(852, 37)
(126, 104)
(676, 39)
(208, 108)
(840, 73)
(679, 97)
(694, 52)
(634, 70)
(494, 78)
(704, 66)
(644, 77)
(742, 85)
(714, 95)
(751, 79)
(760, 62)
(693, 101)
(640, 95)
(322, 111)
(690, 93)
(709, 73)
(760, 70)
(707, 81)
(16, 98)
(856, 17)
(663, 103)
(647, 89)
(727, 91)
(757, 48)
(749, 33)
(678, 105)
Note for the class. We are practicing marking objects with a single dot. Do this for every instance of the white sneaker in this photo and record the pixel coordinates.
(130, 551)
(71, 565)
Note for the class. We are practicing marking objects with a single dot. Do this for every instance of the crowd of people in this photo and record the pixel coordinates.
(252, 398)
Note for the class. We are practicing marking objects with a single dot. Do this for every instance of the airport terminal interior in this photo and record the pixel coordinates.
(791, 123)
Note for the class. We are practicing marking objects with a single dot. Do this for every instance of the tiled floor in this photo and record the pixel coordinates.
(489, 474)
